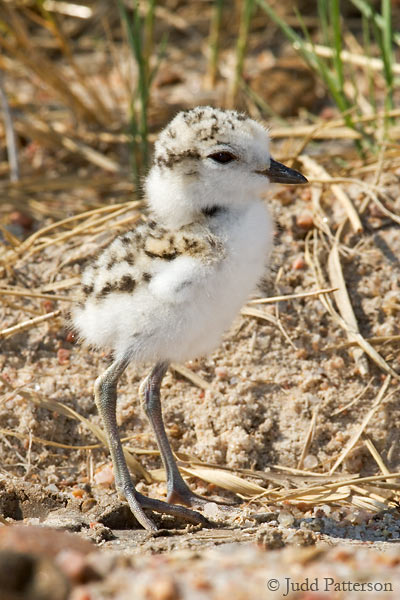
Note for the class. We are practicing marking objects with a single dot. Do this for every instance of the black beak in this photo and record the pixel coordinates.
(278, 173)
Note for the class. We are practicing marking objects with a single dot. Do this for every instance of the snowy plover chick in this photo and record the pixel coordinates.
(167, 290)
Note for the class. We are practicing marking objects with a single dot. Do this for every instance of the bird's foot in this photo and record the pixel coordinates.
(138, 502)
(184, 495)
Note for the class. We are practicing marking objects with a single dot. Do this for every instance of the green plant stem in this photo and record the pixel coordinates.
(245, 17)
(213, 42)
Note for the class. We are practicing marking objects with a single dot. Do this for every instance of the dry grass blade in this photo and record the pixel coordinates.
(281, 479)
(71, 9)
(192, 377)
(354, 439)
(356, 399)
(28, 294)
(344, 304)
(327, 133)
(84, 81)
(369, 504)
(259, 314)
(20, 307)
(79, 229)
(321, 497)
(313, 260)
(118, 225)
(367, 492)
(45, 134)
(290, 297)
(370, 190)
(317, 171)
(334, 129)
(49, 74)
(282, 329)
(372, 353)
(374, 341)
(63, 223)
(376, 456)
(334, 485)
(297, 471)
(217, 476)
(320, 217)
(11, 239)
(61, 285)
(65, 410)
(28, 324)
(36, 184)
(370, 63)
(43, 442)
(309, 438)
(226, 480)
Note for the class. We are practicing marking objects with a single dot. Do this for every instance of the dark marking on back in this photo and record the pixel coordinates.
(126, 240)
(130, 258)
(146, 276)
(87, 289)
(127, 284)
(212, 242)
(190, 244)
(163, 255)
(105, 290)
(111, 262)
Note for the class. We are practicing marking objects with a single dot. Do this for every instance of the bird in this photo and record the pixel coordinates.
(167, 290)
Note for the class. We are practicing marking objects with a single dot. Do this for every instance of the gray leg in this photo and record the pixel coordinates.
(105, 391)
(177, 489)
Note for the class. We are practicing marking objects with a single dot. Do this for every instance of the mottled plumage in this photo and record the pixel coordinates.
(167, 290)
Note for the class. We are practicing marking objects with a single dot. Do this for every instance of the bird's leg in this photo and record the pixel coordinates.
(177, 489)
(105, 391)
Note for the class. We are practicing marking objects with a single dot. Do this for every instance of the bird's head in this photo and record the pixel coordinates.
(210, 157)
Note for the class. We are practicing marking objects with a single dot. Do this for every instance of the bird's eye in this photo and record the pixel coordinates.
(222, 157)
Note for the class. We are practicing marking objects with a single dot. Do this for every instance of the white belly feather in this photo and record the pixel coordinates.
(187, 306)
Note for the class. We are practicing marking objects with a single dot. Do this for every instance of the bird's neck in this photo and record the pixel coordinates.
(176, 201)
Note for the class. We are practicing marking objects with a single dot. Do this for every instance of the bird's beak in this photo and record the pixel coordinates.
(278, 173)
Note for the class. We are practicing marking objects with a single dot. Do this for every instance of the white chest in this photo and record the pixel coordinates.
(248, 239)
(209, 312)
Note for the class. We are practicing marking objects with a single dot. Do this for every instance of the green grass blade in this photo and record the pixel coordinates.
(337, 43)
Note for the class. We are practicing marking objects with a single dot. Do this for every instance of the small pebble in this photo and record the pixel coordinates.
(104, 476)
(298, 263)
(63, 355)
(48, 306)
(221, 372)
(310, 462)
(211, 510)
(162, 589)
(285, 518)
(270, 539)
(73, 565)
(305, 220)
(336, 363)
